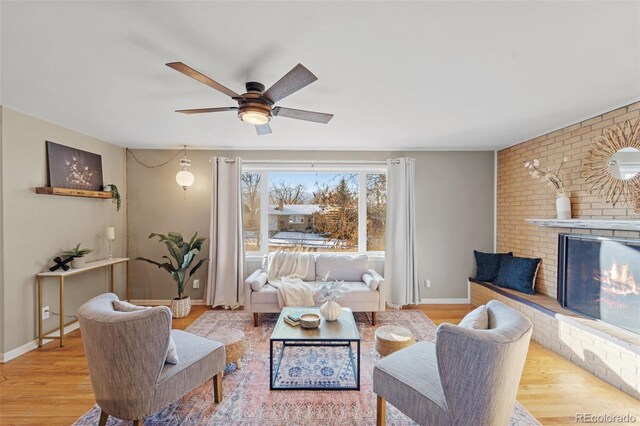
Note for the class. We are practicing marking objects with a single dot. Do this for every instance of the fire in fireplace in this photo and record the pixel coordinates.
(597, 278)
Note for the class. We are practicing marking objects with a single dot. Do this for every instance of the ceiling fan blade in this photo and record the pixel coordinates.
(204, 110)
(190, 72)
(263, 129)
(298, 114)
(293, 81)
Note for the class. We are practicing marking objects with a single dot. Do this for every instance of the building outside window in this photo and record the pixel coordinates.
(314, 211)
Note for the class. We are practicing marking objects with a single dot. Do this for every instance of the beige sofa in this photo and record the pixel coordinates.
(363, 285)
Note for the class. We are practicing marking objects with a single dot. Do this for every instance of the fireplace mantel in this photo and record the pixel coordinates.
(615, 224)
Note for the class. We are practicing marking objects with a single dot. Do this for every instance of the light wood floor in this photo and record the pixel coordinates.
(51, 385)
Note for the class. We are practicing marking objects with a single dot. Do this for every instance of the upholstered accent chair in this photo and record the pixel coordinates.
(468, 377)
(126, 353)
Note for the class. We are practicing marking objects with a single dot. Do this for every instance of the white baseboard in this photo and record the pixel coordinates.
(21, 350)
(450, 301)
(162, 302)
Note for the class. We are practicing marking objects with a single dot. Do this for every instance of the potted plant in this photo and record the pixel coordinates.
(117, 199)
(77, 254)
(183, 253)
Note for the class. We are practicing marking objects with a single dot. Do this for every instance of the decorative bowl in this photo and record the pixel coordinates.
(309, 321)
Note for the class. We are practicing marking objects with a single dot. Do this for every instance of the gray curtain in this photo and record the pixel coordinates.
(226, 249)
(400, 245)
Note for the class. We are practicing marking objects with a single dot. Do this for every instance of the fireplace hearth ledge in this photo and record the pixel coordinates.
(612, 224)
(606, 351)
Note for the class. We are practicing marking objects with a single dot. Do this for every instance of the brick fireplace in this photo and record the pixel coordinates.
(609, 352)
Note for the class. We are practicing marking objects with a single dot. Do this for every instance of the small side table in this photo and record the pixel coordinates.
(61, 275)
(234, 344)
(392, 338)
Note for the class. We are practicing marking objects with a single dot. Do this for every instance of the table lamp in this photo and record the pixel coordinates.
(111, 235)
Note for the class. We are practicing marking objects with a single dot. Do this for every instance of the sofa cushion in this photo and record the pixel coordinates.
(355, 292)
(477, 319)
(518, 273)
(341, 267)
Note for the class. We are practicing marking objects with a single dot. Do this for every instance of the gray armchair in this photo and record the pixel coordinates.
(468, 377)
(126, 354)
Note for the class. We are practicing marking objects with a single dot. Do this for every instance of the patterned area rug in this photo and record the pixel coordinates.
(248, 401)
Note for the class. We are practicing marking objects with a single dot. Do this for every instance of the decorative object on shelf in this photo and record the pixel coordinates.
(111, 235)
(184, 253)
(117, 199)
(185, 178)
(73, 168)
(59, 263)
(78, 255)
(328, 292)
(563, 206)
(554, 180)
(310, 321)
(612, 167)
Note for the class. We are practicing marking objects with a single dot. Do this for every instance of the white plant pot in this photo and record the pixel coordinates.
(330, 310)
(78, 262)
(563, 206)
(180, 308)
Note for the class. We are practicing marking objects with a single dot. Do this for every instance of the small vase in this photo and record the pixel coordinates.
(563, 206)
(330, 310)
(180, 308)
(78, 262)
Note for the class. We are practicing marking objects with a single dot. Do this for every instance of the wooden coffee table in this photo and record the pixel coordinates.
(340, 333)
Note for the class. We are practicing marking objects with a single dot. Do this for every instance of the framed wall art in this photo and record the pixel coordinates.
(73, 168)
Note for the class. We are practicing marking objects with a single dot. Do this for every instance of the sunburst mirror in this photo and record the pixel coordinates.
(612, 167)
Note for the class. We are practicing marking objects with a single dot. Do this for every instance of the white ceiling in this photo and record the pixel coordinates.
(410, 75)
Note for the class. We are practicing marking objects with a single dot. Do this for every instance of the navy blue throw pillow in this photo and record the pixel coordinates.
(487, 265)
(518, 273)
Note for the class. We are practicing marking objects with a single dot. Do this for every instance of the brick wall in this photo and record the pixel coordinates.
(520, 196)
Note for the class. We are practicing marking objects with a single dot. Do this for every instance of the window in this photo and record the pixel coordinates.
(317, 211)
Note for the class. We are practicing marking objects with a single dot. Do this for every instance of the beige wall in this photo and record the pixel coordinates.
(1, 245)
(38, 227)
(454, 204)
(521, 197)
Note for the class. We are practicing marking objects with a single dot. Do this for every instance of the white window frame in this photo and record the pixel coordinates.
(362, 168)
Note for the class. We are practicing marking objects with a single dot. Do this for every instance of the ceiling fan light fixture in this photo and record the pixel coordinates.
(254, 117)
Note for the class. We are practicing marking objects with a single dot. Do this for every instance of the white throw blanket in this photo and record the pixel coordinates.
(288, 264)
(286, 273)
(293, 292)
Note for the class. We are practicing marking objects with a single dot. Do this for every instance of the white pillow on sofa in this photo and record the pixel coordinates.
(371, 282)
(341, 267)
(259, 281)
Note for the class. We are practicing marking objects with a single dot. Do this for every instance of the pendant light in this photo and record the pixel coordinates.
(185, 178)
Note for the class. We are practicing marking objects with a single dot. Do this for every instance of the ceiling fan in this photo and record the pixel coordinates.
(257, 105)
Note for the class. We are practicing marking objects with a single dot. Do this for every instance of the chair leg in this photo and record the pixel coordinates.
(138, 422)
(381, 411)
(373, 318)
(255, 319)
(238, 363)
(217, 388)
(103, 418)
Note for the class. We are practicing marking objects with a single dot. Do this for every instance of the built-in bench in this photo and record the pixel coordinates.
(608, 352)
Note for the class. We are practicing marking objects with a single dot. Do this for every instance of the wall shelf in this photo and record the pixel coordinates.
(613, 224)
(73, 192)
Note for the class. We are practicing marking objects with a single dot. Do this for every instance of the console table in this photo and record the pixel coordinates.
(61, 275)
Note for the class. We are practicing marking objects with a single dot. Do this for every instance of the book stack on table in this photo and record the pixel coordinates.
(293, 319)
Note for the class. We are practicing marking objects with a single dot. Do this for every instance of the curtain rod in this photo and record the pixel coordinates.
(312, 163)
